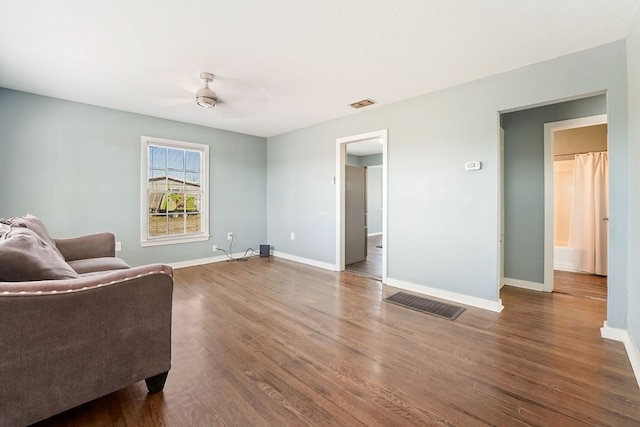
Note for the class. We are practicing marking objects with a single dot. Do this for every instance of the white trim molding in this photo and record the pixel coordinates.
(312, 262)
(174, 240)
(623, 336)
(202, 261)
(524, 284)
(341, 160)
(482, 303)
(203, 192)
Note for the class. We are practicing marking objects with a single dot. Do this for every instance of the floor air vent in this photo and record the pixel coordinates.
(424, 305)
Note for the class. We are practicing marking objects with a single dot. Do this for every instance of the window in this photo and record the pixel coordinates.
(174, 202)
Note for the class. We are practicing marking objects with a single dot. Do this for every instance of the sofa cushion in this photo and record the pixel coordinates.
(36, 225)
(92, 265)
(24, 256)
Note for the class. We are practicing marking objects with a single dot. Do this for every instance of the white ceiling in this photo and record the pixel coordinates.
(365, 147)
(283, 64)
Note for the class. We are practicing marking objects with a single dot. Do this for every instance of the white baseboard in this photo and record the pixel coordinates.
(202, 261)
(482, 303)
(307, 261)
(534, 286)
(632, 350)
(614, 334)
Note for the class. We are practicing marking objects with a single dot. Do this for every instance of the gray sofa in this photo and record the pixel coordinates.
(80, 325)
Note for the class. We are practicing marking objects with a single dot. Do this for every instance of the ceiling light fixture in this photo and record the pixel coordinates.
(205, 97)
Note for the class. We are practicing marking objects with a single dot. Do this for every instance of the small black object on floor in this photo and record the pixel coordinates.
(265, 250)
(424, 305)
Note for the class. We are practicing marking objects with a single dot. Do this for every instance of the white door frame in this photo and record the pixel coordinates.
(341, 161)
(549, 227)
(501, 225)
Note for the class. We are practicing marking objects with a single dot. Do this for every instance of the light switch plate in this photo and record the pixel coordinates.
(473, 166)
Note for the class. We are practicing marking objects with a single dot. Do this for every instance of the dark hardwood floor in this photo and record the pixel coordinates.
(269, 342)
(580, 285)
(372, 266)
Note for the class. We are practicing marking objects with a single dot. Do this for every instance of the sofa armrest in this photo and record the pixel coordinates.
(89, 246)
(66, 342)
(84, 283)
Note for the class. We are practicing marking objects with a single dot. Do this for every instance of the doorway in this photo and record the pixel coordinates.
(527, 186)
(363, 225)
(576, 207)
(366, 153)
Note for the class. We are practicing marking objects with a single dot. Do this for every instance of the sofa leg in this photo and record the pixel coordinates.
(156, 382)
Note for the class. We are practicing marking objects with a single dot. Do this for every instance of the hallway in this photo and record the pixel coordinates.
(372, 266)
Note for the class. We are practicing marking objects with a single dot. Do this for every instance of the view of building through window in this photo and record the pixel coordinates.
(174, 191)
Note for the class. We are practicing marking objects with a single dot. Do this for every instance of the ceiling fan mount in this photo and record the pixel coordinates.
(232, 99)
(205, 97)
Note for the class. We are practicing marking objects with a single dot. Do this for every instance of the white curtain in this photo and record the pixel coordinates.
(591, 213)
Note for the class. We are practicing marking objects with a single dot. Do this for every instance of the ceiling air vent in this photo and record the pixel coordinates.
(363, 103)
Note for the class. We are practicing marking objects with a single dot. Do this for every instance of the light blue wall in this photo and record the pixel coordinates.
(301, 195)
(443, 221)
(524, 182)
(61, 158)
(371, 160)
(633, 47)
(78, 168)
(374, 199)
(353, 160)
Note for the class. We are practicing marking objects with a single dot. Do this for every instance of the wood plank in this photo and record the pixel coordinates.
(580, 285)
(372, 266)
(272, 342)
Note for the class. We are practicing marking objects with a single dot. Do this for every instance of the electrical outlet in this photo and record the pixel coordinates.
(215, 248)
(230, 235)
(118, 246)
(293, 236)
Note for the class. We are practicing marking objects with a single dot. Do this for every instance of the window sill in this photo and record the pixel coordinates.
(174, 240)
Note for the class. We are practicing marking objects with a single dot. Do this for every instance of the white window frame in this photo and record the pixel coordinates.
(203, 235)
